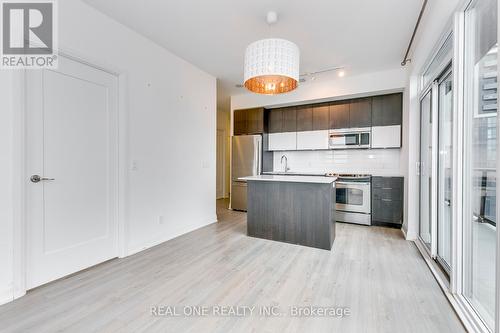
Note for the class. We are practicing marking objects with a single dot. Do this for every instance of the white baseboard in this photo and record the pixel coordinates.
(6, 296)
(163, 239)
(19, 293)
(409, 236)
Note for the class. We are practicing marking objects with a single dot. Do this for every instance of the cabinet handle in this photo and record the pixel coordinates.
(387, 188)
(387, 200)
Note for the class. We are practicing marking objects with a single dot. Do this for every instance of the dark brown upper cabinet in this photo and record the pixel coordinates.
(360, 113)
(320, 115)
(282, 120)
(255, 121)
(248, 121)
(289, 119)
(275, 121)
(304, 118)
(240, 122)
(382, 110)
(387, 110)
(312, 118)
(339, 114)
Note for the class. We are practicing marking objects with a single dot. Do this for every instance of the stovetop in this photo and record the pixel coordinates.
(347, 175)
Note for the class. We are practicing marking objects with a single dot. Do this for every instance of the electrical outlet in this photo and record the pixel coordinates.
(161, 219)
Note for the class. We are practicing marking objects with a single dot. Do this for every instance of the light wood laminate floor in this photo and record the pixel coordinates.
(373, 271)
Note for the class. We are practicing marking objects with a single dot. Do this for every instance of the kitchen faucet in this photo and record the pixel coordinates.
(286, 163)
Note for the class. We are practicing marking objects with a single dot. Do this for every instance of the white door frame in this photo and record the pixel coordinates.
(19, 167)
(224, 137)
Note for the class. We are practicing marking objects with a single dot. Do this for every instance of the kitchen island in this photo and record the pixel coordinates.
(292, 209)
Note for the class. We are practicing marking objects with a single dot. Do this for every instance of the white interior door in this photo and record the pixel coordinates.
(71, 141)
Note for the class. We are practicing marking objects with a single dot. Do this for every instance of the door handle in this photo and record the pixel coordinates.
(477, 218)
(37, 178)
(447, 202)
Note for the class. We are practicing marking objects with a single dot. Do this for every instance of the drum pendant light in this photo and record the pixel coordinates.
(272, 64)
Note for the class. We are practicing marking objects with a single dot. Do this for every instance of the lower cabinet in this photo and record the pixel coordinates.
(312, 140)
(387, 201)
(282, 141)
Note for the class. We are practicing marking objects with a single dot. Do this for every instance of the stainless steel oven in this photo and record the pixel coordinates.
(350, 138)
(353, 199)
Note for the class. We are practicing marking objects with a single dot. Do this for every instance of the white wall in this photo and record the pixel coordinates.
(172, 115)
(435, 22)
(171, 111)
(6, 204)
(328, 89)
(383, 162)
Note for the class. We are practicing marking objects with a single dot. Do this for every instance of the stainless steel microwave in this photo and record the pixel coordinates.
(350, 138)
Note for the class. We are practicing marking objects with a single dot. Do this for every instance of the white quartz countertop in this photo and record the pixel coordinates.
(293, 179)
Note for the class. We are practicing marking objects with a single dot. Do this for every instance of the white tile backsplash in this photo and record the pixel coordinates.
(384, 162)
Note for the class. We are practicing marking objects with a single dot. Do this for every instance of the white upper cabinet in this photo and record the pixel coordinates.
(386, 136)
(312, 140)
(282, 141)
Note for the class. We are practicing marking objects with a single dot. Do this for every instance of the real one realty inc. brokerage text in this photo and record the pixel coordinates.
(248, 311)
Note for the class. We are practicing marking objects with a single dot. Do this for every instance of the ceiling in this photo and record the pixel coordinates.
(362, 35)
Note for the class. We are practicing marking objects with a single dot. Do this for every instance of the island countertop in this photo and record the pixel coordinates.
(293, 179)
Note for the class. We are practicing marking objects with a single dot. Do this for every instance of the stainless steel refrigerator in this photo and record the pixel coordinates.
(246, 161)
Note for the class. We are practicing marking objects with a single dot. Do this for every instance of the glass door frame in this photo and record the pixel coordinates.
(460, 244)
(440, 62)
(429, 90)
(447, 73)
(445, 69)
(466, 254)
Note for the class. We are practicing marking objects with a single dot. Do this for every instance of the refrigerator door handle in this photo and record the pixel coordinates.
(258, 152)
(255, 163)
(259, 166)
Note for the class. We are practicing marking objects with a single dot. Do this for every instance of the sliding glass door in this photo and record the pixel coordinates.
(480, 149)
(425, 169)
(436, 153)
(445, 170)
